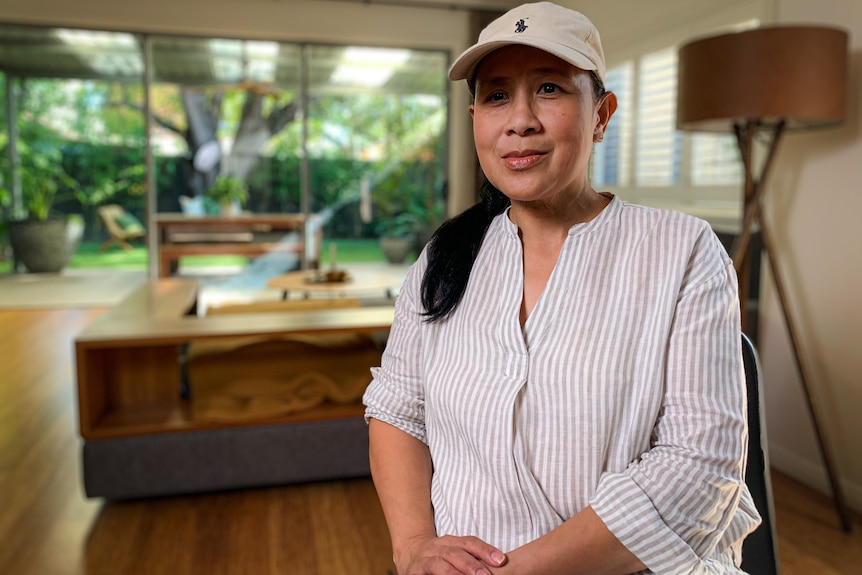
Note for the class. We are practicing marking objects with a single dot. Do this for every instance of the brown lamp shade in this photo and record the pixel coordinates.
(792, 73)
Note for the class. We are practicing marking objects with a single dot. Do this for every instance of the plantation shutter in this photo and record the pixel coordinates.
(658, 148)
(611, 158)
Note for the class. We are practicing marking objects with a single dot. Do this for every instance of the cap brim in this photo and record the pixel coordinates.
(464, 67)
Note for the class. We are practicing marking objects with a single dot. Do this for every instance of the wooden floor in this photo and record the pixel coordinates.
(48, 527)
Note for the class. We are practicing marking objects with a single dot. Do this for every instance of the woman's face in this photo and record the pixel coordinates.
(534, 119)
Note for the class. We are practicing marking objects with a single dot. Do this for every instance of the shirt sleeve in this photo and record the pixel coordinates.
(678, 505)
(396, 393)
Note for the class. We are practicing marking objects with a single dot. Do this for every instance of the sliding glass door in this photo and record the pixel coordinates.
(353, 137)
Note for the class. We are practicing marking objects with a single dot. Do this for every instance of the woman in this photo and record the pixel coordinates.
(562, 391)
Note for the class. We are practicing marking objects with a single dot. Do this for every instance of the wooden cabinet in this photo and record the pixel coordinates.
(140, 439)
(130, 361)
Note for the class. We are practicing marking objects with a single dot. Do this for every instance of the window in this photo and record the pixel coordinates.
(657, 152)
(715, 160)
(354, 135)
(611, 159)
(647, 160)
(377, 138)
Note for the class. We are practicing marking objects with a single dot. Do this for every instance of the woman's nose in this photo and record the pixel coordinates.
(523, 119)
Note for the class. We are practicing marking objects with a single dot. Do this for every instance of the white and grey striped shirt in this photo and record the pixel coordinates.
(623, 391)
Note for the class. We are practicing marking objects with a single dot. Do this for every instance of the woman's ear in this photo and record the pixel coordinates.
(604, 110)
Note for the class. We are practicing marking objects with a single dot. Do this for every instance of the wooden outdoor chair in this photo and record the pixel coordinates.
(121, 227)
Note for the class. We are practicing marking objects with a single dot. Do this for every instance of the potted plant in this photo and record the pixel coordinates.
(397, 236)
(42, 241)
(408, 208)
(230, 193)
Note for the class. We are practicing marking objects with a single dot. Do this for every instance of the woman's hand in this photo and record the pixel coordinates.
(448, 555)
(401, 468)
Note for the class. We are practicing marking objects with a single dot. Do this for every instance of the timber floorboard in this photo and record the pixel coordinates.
(48, 526)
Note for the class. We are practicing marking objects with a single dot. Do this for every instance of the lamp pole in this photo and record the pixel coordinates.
(746, 133)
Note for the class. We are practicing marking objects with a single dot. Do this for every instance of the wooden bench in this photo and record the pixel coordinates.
(139, 436)
(248, 235)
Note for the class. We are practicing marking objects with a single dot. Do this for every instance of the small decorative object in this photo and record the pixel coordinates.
(193, 207)
(332, 275)
(327, 277)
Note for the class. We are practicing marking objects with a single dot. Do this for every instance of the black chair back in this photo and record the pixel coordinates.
(759, 553)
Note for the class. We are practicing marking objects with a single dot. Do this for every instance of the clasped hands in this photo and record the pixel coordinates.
(448, 555)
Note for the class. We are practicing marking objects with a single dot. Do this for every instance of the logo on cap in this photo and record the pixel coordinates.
(520, 26)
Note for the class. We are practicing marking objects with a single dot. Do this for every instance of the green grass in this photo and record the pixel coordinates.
(352, 251)
(88, 256)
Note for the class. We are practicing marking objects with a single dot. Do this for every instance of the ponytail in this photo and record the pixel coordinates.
(452, 251)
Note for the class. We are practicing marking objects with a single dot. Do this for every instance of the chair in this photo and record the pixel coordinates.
(759, 552)
(121, 227)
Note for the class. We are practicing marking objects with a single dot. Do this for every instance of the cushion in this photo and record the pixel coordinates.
(277, 377)
(129, 222)
(192, 206)
(258, 378)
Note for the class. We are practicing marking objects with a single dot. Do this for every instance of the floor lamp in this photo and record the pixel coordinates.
(761, 84)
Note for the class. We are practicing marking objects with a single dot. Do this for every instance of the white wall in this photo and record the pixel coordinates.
(814, 207)
(633, 27)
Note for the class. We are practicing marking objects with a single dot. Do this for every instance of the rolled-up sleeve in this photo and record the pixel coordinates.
(684, 499)
(395, 394)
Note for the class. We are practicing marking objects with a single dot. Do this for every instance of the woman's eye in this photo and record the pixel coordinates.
(548, 89)
(495, 97)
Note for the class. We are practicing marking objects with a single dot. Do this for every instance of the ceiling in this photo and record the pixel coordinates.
(38, 52)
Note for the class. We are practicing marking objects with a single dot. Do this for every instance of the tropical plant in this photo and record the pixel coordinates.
(409, 188)
(44, 181)
(43, 177)
(228, 189)
(401, 225)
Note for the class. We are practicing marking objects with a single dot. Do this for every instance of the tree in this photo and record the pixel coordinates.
(263, 114)
(392, 143)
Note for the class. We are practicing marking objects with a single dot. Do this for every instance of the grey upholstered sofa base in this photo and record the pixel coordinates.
(226, 458)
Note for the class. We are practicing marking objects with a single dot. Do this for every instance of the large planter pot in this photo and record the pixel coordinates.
(423, 236)
(44, 246)
(395, 250)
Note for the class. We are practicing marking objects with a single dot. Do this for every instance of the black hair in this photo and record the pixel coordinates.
(454, 246)
(598, 87)
(452, 251)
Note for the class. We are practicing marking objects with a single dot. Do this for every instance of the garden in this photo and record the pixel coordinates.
(92, 154)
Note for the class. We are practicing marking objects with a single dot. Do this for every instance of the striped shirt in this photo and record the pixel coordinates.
(624, 391)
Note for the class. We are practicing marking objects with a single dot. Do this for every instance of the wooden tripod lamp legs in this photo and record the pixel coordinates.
(754, 186)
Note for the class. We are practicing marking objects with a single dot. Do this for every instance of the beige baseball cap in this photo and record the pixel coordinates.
(565, 33)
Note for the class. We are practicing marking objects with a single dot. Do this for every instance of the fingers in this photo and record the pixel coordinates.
(484, 552)
(450, 555)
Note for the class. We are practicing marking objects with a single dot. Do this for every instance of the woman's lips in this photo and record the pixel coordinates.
(522, 160)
